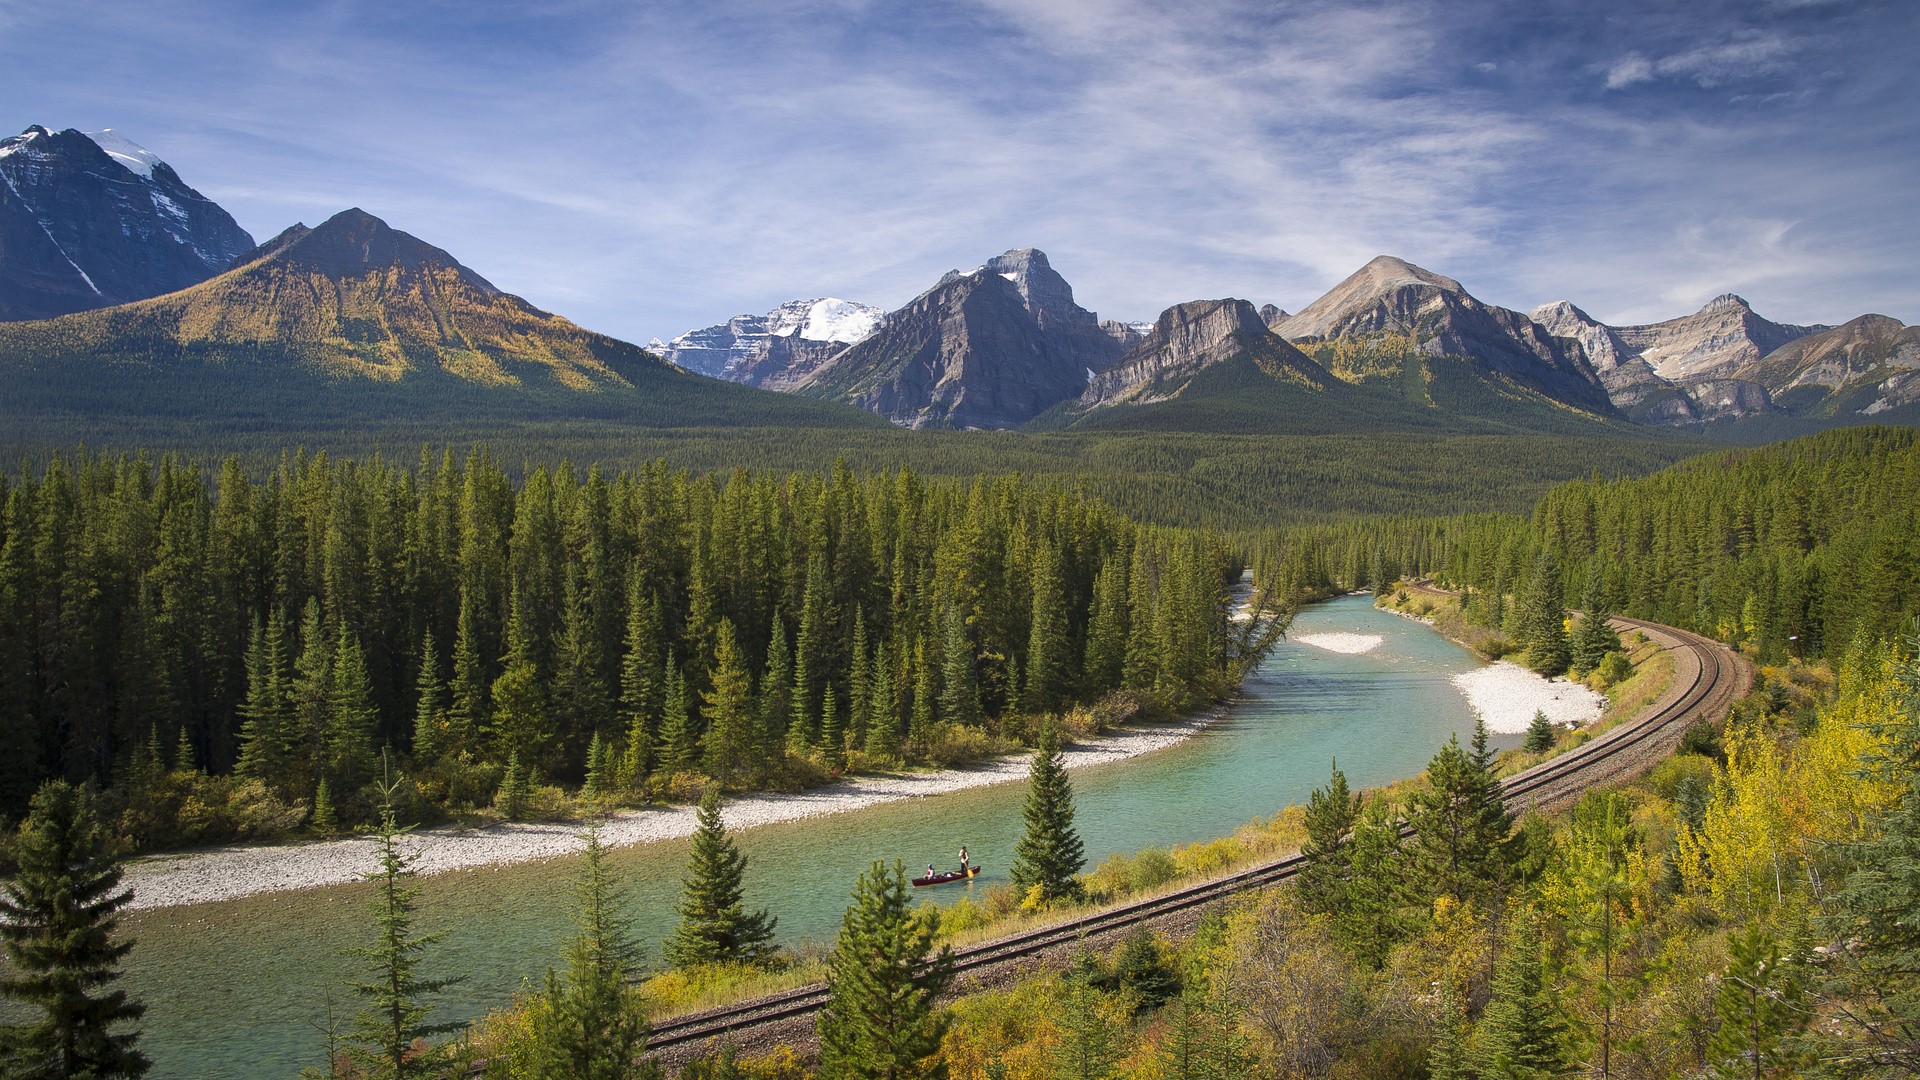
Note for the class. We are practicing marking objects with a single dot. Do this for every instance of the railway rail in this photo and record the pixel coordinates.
(1707, 678)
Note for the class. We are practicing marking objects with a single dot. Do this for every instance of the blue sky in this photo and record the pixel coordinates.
(646, 168)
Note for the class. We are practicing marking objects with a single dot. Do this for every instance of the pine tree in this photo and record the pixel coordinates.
(1046, 667)
(883, 726)
(1372, 919)
(1543, 615)
(592, 1022)
(468, 711)
(642, 678)
(1460, 825)
(351, 718)
(395, 1017)
(268, 709)
(1089, 1046)
(1761, 1004)
(1049, 856)
(430, 710)
(678, 749)
(833, 729)
(1446, 1057)
(1107, 628)
(776, 691)
(511, 799)
(594, 786)
(1331, 812)
(715, 927)
(925, 693)
(960, 686)
(1593, 636)
(1520, 1034)
(732, 727)
(882, 1020)
(1540, 734)
(59, 918)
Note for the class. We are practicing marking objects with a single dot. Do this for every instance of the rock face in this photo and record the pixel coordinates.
(776, 350)
(92, 220)
(1682, 370)
(1186, 340)
(988, 348)
(1436, 316)
(1873, 356)
(1273, 316)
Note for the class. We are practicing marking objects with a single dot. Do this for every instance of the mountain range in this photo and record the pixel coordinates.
(125, 292)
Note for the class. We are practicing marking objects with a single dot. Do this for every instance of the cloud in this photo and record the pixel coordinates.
(1749, 56)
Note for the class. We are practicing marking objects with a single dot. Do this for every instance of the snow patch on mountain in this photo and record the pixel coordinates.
(138, 159)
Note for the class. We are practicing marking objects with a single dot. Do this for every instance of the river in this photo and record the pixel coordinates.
(238, 989)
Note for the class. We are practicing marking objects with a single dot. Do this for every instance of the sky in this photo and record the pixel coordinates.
(646, 168)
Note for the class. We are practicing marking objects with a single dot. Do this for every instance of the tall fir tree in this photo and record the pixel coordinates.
(1048, 859)
(882, 1020)
(396, 995)
(266, 734)
(430, 728)
(732, 727)
(715, 926)
(1460, 825)
(959, 682)
(1761, 1003)
(679, 745)
(1593, 637)
(60, 919)
(1326, 877)
(1521, 1035)
(1543, 619)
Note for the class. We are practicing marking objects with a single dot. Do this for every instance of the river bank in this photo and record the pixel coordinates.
(228, 873)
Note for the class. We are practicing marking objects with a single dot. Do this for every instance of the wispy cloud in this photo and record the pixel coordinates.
(647, 168)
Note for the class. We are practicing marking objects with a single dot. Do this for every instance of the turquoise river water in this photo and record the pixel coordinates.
(239, 988)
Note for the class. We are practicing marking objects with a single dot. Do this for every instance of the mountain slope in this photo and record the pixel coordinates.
(990, 348)
(775, 350)
(1869, 367)
(1391, 301)
(91, 220)
(1189, 338)
(354, 318)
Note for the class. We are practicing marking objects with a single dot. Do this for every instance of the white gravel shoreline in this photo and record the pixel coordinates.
(232, 872)
(1507, 695)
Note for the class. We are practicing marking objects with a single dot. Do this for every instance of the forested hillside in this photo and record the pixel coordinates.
(613, 630)
(1799, 549)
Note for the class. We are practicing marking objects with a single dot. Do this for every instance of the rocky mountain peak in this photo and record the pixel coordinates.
(1725, 302)
(1189, 338)
(1273, 316)
(89, 221)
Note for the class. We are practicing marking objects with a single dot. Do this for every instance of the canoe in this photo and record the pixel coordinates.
(947, 875)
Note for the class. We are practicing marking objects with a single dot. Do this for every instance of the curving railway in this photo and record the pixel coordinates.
(1707, 678)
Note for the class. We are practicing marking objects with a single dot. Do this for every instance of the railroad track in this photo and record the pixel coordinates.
(1707, 678)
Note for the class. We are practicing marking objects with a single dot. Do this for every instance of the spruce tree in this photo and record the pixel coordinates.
(1049, 856)
(925, 696)
(715, 927)
(430, 710)
(1331, 812)
(592, 1021)
(732, 726)
(1089, 1046)
(1046, 666)
(883, 725)
(268, 708)
(396, 995)
(1540, 734)
(1521, 1033)
(351, 718)
(882, 1020)
(59, 918)
(1543, 615)
(1372, 918)
(1593, 636)
(515, 789)
(776, 692)
(1761, 1003)
(678, 748)
(960, 686)
(1460, 825)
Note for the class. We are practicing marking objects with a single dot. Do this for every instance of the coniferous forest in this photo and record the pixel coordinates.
(277, 637)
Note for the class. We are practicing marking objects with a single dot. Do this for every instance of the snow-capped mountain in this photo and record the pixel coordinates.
(91, 219)
(776, 349)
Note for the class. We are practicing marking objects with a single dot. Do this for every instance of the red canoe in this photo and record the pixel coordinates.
(946, 876)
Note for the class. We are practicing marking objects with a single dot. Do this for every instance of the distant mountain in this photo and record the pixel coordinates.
(775, 350)
(988, 348)
(1391, 316)
(354, 319)
(88, 220)
(1683, 370)
(1187, 339)
(1867, 368)
(1273, 316)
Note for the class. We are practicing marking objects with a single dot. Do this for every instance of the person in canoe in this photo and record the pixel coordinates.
(963, 859)
(931, 872)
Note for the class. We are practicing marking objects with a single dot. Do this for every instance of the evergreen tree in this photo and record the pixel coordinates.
(583, 707)
(1446, 1059)
(59, 918)
(642, 677)
(595, 784)
(776, 692)
(833, 729)
(1331, 812)
(1540, 734)
(1107, 628)
(678, 748)
(395, 1016)
(468, 711)
(1543, 616)
(925, 693)
(351, 718)
(882, 1020)
(715, 927)
(883, 725)
(1460, 825)
(1089, 1047)
(960, 686)
(1593, 636)
(430, 710)
(1761, 1003)
(268, 710)
(1046, 667)
(1049, 856)
(1521, 1033)
(1372, 918)
(515, 790)
(592, 1022)
(732, 727)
